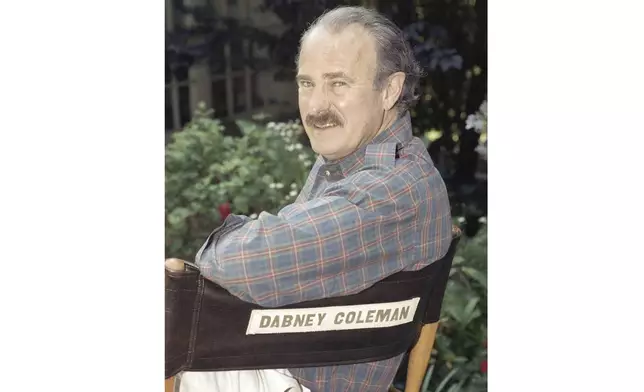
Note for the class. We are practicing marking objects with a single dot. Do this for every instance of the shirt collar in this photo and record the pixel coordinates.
(400, 132)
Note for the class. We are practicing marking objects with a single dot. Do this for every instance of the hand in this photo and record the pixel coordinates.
(174, 265)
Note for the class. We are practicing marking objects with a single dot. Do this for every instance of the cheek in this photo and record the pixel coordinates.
(346, 102)
(354, 109)
(302, 98)
(302, 106)
(363, 97)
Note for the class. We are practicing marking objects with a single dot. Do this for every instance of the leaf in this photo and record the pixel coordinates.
(433, 62)
(247, 127)
(178, 216)
(476, 275)
(243, 171)
(470, 308)
(455, 387)
(428, 377)
(458, 260)
(460, 360)
(446, 380)
(240, 203)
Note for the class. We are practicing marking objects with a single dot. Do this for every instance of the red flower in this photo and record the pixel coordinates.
(484, 366)
(224, 210)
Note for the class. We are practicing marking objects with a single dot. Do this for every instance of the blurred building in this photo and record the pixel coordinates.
(223, 79)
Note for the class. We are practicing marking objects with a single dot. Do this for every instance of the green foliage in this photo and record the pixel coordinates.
(262, 170)
(460, 348)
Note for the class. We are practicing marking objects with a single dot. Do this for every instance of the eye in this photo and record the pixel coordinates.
(306, 83)
(338, 83)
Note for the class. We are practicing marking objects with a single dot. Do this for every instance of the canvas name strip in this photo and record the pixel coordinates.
(332, 318)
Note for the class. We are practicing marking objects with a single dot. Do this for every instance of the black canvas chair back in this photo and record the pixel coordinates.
(208, 329)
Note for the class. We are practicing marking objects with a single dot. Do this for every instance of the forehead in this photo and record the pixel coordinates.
(351, 51)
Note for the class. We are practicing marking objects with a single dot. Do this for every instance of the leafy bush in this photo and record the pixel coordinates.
(459, 358)
(209, 175)
(461, 343)
(478, 122)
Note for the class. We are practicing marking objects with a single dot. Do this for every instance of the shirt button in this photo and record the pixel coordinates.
(327, 173)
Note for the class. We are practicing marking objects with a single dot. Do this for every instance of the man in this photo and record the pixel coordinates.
(373, 205)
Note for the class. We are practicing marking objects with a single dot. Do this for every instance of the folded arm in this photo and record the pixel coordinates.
(338, 244)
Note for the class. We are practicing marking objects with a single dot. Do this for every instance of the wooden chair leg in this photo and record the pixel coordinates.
(172, 265)
(169, 384)
(419, 358)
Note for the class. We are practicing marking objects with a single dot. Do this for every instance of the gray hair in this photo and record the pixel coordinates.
(394, 54)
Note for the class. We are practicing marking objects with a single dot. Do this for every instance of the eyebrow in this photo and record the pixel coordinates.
(328, 75)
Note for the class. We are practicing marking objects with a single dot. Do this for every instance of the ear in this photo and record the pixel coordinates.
(393, 89)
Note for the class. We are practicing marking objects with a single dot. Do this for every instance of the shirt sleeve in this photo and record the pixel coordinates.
(338, 244)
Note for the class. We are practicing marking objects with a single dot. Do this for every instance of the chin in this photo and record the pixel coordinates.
(325, 152)
(332, 154)
(329, 143)
(325, 149)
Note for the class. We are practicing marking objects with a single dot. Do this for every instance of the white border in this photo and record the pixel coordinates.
(81, 226)
(565, 216)
(82, 221)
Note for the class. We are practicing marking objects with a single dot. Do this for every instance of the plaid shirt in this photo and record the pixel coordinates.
(381, 210)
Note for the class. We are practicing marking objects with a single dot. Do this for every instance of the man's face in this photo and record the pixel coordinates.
(339, 106)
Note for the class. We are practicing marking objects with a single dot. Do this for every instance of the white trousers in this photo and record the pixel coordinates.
(273, 380)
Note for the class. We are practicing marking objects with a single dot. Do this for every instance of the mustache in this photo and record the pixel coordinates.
(322, 118)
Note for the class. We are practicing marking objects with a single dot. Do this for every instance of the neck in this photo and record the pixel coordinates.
(388, 119)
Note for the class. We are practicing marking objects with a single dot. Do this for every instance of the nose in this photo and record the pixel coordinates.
(319, 101)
